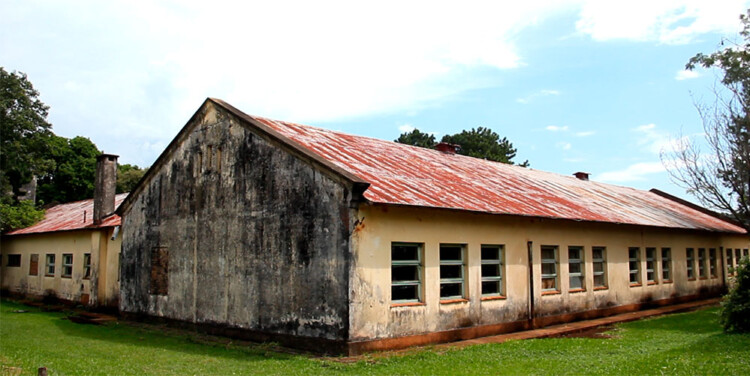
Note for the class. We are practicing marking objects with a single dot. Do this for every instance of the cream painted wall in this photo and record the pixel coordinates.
(103, 250)
(372, 315)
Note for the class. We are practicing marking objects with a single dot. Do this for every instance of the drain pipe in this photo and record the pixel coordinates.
(530, 248)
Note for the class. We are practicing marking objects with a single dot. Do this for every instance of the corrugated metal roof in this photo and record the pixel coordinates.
(407, 175)
(70, 216)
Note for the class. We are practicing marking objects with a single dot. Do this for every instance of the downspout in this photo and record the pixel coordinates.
(531, 313)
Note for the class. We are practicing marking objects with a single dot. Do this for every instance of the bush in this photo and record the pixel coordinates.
(18, 215)
(735, 309)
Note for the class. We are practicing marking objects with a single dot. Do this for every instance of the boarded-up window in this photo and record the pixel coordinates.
(159, 271)
(34, 264)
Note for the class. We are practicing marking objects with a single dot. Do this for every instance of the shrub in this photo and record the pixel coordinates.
(735, 309)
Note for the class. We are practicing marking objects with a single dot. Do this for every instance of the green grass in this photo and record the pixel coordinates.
(689, 343)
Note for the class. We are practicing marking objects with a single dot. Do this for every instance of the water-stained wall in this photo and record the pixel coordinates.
(375, 316)
(249, 234)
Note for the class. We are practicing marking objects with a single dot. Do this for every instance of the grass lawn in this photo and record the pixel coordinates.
(688, 343)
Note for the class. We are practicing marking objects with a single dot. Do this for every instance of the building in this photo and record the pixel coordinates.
(272, 230)
(73, 253)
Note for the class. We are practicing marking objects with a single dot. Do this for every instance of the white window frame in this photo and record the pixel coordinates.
(49, 265)
(553, 261)
(67, 267)
(713, 271)
(637, 262)
(702, 264)
(666, 264)
(581, 261)
(651, 267)
(690, 263)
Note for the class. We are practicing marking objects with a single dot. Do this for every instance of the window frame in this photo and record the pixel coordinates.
(702, 264)
(730, 260)
(666, 265)
(34, 264)
(651, 266)
(603, 273)
(49, 265)
(87, 266)
(712, 264)
(461, 281)
(500, 263)
(66, 271)
(581, 261)
(690, 263)
(637, 271)
(556, 264)
(419, 263)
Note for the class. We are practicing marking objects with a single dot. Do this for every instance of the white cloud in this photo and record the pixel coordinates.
(653, 140)
(555, 128)
(585, 133)
(564, 145)
(541, 93)
(686, 75)
(664, 21)
(632, 173)
(406, 128)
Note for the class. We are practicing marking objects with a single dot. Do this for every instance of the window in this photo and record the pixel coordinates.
(406, 272)
(86, 265)
(492, 270)
(745, 252)
(575, 268)
(14, 261)
(451, 271)
(159, 271)
(730, 264)
(690, 258)
(634, 262)
(702, 262)
(50, 265)
(712, 263)
(34, 264)
(549, 268)
(666, 265)
(599, 259)
(67, 265)
(651, 265)
(738, 255)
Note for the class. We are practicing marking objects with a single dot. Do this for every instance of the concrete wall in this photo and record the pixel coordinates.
(254, 236)
(373, 316)
(101, 289)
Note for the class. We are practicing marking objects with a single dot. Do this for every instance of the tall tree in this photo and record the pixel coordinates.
(24, 131)
(484, 143)
(417, 138)
(128, 176)
(720, 179)
(73, 172)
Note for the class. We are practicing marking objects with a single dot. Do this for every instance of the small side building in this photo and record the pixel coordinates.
(272, 230)
(73, 253)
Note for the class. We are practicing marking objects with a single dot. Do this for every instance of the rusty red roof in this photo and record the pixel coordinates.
(70, 216)
(407, 175)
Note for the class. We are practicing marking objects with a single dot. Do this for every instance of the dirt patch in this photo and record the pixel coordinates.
(602, 332)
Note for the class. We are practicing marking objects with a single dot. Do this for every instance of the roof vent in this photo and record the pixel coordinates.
(582, 176)
(447, 148)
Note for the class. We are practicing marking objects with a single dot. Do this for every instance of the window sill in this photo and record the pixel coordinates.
(66, 276)
(636, 284)
(453, 301)
(653, 283)
(703, 278)
(411, 304)
(666, 282)
(49, 275)
(601, 288)
(576, 290)
(550, 293)
(498, 297)
(691, 279)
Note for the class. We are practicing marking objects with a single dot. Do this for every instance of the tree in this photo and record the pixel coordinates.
(73, 172)
(24, 131)
(735, 308)
(720, 179)
(128, 176)
(484, 143)
(417, 138)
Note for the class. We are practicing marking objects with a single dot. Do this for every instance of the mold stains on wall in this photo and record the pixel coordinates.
(257, 237)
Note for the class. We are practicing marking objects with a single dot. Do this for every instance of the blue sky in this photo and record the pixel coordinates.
(579, 85)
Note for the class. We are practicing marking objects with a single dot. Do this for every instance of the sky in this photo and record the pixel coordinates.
(576, 85)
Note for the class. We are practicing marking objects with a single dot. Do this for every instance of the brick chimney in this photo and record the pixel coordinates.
(447, 148)
(104, 186)
(582, 176)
